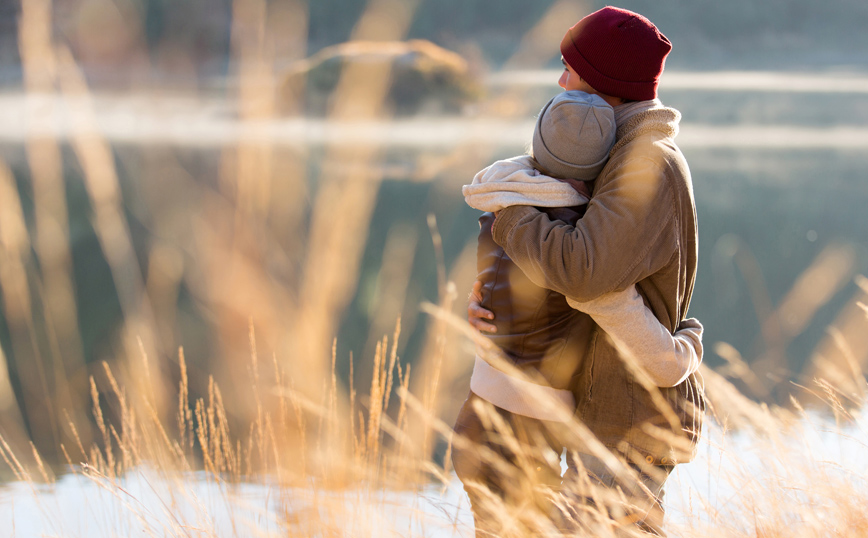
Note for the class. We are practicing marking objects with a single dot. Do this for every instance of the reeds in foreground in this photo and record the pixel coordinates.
(353, 468)
(263, 436)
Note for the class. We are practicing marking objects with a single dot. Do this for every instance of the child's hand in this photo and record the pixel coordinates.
(476, 314)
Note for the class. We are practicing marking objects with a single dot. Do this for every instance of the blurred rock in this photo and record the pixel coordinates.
(425, 78)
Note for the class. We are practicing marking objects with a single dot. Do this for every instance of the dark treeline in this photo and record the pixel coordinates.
(708, 34)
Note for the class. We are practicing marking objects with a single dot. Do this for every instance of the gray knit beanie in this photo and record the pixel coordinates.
(573, 135)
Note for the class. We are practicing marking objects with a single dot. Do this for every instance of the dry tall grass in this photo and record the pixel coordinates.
(365, 468)
(151, 429)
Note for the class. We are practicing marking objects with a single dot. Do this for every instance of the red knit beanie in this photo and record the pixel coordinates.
(617, 52)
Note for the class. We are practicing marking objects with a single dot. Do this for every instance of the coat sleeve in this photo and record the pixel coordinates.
(627, 233)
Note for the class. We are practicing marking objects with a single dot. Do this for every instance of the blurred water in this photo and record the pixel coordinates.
(202, 121)
(734, 81)
(146, 503)
(778, 163)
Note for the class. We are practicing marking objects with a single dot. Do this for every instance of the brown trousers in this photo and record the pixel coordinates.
(510, 467)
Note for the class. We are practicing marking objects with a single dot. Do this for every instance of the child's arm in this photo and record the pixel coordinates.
(667, 359)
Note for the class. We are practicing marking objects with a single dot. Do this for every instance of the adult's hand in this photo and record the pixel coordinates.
(476, 315)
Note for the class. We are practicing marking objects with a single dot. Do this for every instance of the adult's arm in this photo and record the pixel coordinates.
(628, 232)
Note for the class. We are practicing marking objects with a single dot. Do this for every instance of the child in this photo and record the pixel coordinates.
(538, 329)
(572, 139)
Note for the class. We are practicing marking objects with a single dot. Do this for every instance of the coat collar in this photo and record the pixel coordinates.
(657, 118)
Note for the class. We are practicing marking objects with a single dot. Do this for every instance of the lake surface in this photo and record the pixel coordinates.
(779, 166)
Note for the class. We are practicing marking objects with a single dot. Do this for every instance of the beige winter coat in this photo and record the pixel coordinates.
(639, 228)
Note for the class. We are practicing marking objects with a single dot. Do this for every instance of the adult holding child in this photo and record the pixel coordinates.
(638, 229)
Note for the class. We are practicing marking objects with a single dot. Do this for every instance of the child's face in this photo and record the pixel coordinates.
(570, 80)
